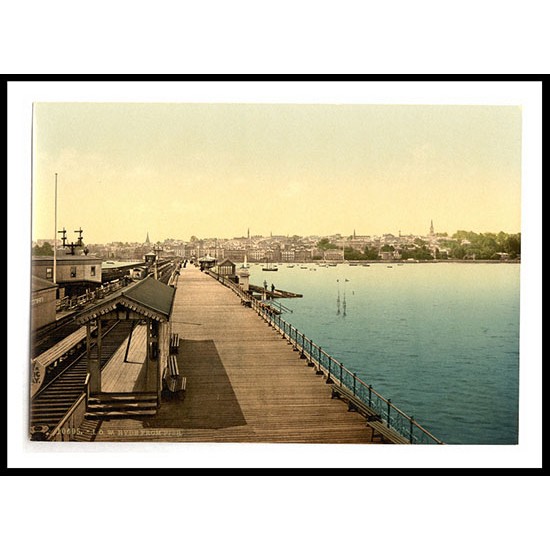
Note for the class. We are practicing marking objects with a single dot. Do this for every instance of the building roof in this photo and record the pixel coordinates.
(148, 297)
(39, 284)
(66, 258)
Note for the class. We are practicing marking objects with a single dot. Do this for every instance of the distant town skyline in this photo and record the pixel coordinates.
(216, 170)
(152, 241)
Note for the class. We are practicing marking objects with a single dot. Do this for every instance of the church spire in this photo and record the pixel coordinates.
(431, 227)
(147, 241)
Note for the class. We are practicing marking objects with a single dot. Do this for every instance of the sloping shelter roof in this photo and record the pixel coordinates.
(148, 297)
(227, 261)
(41, 284)
(207, 258)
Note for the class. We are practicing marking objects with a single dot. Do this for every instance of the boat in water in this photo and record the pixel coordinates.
(270, 267)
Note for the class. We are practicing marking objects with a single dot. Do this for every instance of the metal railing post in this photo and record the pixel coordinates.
(389, 409)
(411, 430)
(370, 394)
(354, 380)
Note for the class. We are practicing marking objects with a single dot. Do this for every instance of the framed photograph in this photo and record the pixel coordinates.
(284, 264)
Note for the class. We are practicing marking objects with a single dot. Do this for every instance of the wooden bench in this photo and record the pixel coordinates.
(354, 403)
(171, 376)
(176, 383)
(173, 368)
(374, 421)
(174, 343)
(246, 302)
(386, 433)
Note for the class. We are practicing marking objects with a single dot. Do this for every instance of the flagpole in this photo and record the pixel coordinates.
(55, 236)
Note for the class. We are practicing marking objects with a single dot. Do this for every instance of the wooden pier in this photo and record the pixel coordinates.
(277, 293)
(244, 382)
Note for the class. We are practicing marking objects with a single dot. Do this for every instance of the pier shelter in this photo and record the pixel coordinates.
(207, 262)
(227, 268)
(136, 369)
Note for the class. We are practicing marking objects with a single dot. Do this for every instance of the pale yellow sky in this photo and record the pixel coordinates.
(215, 170)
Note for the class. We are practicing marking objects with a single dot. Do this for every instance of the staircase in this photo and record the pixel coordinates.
(122, 405)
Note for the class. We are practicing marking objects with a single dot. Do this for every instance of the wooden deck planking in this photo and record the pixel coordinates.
(120, 376)
(280, 398)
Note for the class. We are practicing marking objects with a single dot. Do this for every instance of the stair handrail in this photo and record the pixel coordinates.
(66, 419)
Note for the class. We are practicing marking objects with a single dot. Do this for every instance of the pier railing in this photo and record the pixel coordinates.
(336, 373)
(105, 289)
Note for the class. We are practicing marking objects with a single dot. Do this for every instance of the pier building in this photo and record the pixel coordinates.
(74, 274)
(227, 268)
(43, 303)
(207, 262)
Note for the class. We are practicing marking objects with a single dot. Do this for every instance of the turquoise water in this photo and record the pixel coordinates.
(440, 340)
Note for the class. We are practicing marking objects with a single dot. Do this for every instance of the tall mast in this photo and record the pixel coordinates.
(343, 249)
(55, 236)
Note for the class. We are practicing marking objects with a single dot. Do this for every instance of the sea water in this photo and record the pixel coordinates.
(441, 340)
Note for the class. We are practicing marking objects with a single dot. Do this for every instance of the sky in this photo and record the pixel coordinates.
(176, 170)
